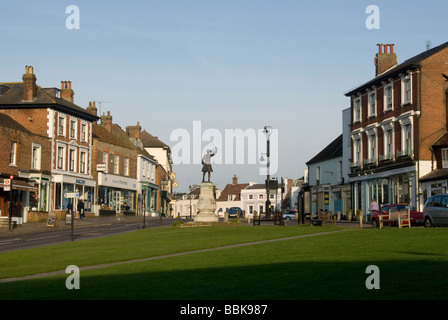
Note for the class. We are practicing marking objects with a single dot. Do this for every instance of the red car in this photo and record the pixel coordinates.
(416, 216)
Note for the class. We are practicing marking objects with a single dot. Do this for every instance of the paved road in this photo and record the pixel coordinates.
(38, 234)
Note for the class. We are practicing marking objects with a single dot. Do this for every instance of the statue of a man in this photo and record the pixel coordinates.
(206, 163)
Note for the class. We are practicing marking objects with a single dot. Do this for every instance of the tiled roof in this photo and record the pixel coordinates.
(333, 150)
(116, 137)
(13, 97)
(149, 141)
(232, 189)
(7, 121)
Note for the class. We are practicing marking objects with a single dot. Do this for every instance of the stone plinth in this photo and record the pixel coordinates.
(206, 204)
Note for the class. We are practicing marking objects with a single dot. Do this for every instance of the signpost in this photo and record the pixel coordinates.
(8, 187)
(71, 195)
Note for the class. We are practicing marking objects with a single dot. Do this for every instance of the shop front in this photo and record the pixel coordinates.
(67, 184)
(116, 195)
(148, 196)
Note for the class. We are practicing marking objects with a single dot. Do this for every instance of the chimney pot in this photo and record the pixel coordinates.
(29, 84)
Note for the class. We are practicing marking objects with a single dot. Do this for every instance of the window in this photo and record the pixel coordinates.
(36, 157)
(407, 139)
(271, 196)
(372, 104)
(144, 168)
(388, 98)
(357, 111)
(317, 175)
(231, 197)
(71, 160)
(13, 154)
(356, 153)
(406, 89)
(72, 129)
(388, 145)
(251, 196)
(61, 152)
(260, 197)
(116, 164)
(105, 160)
(445, 158)
(251, 209)
(61, 126)
(83, 132)
(126, 166)
(82, 162)
(372, 148)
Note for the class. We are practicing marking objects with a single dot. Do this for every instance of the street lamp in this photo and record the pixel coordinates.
(191, 197)
(267, 131)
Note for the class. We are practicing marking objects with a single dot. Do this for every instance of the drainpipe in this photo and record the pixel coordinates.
(419, 108)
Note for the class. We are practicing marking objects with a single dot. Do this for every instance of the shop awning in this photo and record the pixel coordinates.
(22, 185)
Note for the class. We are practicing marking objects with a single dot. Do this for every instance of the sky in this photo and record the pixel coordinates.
(224, 64)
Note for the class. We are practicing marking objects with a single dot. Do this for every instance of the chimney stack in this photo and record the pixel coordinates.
(29, 84)
(106, 121)
(385, 60)
(235, 179)
(66, 91)
(134, 131)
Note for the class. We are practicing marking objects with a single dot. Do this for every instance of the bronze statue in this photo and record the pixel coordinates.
(206, 163)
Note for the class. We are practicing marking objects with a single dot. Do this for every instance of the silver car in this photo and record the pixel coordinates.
(435, 211)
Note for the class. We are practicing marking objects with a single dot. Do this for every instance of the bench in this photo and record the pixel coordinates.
(322, 218)
(277, 217)
(401, 217)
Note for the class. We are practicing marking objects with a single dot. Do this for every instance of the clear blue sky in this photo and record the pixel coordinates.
(229, 64)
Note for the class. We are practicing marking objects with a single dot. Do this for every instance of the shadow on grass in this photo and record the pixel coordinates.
(283, 281)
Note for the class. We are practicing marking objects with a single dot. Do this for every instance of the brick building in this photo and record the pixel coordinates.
(50, 112)
(122, 168)
(395, 119)
(22, 156)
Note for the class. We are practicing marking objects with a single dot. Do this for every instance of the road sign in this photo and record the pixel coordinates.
(71, 195)
(7, 185)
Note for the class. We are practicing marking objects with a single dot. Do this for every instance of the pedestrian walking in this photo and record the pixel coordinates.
(81, 209)
(374, 206)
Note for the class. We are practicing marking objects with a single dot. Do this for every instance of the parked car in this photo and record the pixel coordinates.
(435, 211)
(233, 212)
(416, 216)
(290, 215)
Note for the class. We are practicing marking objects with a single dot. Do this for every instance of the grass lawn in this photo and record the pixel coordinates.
(413, 264)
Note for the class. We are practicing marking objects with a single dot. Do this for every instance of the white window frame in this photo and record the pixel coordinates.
(371, 94)
(126, 166)
(60, 157)
(116, 164)
(372, 145)
(106, 160)
(405, 82)
(61, 126)
(72, 160)
(357, 110)
(83, 134)
(388, 86)
(13, 154)
(72, 128)
(444, 154)
(83, 161)
(36, 156)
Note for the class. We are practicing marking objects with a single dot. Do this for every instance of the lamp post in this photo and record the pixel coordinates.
(267, 131)
(191, 197)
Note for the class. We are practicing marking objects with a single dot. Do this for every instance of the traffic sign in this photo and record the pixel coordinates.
(71, 195)
(6, 182)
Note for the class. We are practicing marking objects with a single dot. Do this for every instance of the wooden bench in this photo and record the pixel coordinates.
(401, 217)
(322, 218)
(276, 217)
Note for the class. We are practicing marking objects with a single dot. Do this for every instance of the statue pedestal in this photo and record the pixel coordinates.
(206, 204)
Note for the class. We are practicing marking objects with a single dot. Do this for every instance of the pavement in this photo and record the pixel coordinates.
(36, 227)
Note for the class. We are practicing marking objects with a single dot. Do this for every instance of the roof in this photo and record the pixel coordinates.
(435, 175)
(412, 62)
(333, 150)
(149, 141)
(7, 121)
(12, 97)
(116, 137)
(442, 141)
(232, 189)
